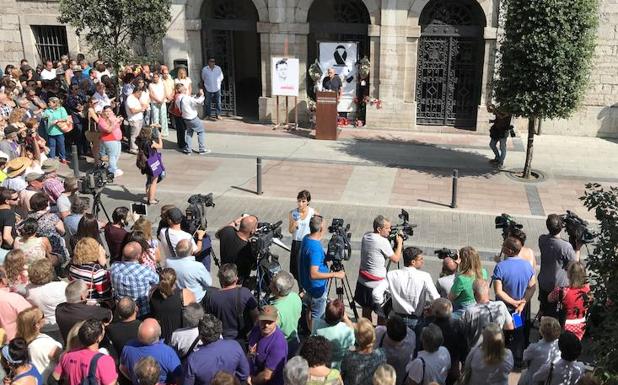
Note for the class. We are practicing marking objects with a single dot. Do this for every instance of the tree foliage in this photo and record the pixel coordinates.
(546, 53)
(602, 267)
(119, 30)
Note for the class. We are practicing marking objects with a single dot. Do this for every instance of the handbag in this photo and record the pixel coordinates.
(66, 126)
(155, 164)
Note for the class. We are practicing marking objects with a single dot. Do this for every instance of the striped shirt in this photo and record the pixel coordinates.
(95, 276)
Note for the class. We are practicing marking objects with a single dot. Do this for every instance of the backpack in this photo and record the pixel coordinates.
(174, 108)
(91, 378)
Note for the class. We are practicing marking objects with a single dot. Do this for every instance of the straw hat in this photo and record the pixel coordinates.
(17, 166)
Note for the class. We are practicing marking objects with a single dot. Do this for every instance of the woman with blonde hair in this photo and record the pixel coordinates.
(182, 78)
(385, 375)
(573, 300)
(490, 363)
(88, 265)
(357, 367)
(43, 349)
(167, 301)
(470, 269)
(16, 268)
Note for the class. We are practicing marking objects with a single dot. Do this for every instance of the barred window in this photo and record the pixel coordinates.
(51, 41)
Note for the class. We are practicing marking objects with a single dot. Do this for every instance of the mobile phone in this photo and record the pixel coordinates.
(139, 209)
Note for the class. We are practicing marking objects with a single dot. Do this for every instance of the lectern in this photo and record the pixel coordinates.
(326, 116)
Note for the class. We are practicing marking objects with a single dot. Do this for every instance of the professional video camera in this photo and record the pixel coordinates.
(267, 264)
(264, 237)
(195, 213)
(339, 246)
(405, 227)
(95, 179)
(507, 224)
(577, 229)
(444, 253)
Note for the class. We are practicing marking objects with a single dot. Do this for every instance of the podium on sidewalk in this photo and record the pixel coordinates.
(326, 116)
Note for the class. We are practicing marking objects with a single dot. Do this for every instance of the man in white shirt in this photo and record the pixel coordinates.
(410, 288)
(375, 248)
(187, 105)
(170, 236)
(212, 76)
(49, 72)
(135, 117)
(158, 109)
(101, 99)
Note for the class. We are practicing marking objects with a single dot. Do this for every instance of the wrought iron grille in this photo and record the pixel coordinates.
(450, 56)
(221, 45)
(51, 41)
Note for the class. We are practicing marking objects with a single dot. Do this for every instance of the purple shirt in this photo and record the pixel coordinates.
(221, 355)
(271, 353)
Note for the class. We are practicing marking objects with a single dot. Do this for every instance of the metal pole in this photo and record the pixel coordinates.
(75, 160)
(259, 176)
(454, 194)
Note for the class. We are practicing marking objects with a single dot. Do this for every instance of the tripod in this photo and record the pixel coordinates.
(97, 205)
(342, 288)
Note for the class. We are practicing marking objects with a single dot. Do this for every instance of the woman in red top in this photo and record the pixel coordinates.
(110, 136)
(574, 299)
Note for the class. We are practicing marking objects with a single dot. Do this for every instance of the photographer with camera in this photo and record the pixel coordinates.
(410, 288)
(234, 246)
(556, 254)
(314, 272)
(499, 133)
(170, 236)
(375, 248)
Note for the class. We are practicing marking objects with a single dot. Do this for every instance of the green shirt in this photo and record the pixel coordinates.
(52, 115)
(289, 308)
(341, 338)
(462, 289)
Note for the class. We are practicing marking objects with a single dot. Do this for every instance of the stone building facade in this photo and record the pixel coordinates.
(432, 61)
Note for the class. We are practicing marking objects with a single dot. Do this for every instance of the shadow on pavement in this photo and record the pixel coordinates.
(423, 157)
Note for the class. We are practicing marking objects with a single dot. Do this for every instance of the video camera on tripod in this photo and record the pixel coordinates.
(405, 228)
(339, 246)
(195, 213)
(95, 179)
(507, 224)
(446, 253)
(267, 263)
(577, 229)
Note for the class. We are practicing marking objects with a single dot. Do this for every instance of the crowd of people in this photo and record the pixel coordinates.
(84, 301)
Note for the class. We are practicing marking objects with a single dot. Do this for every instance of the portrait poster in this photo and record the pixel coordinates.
(285, 76)
(342, 56)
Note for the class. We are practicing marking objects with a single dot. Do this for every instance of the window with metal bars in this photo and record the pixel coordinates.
(50, 41)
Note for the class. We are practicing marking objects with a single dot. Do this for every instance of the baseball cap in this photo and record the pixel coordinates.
(175, 215)
(32, 176)
(268, 313)
(50, 165)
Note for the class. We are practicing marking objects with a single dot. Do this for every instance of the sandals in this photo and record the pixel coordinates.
(153, 202)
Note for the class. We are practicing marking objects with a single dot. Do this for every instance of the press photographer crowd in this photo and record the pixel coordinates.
(92, 299)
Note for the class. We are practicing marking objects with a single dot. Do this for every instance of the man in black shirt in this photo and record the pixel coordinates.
(332, 82)
(234, 244)
(125, 329)
(499, 133)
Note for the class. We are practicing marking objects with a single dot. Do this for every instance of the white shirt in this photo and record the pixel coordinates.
(99, 75)
(144, 99)
(444, 285)
(18, 183)
(437, 365)
(48, 75)
(410, 289)
(46, 298)
(182, 339)
(134, 102)
(157, 91)
(212, 78)
(375, 249)
(398, 354)
(101, 101)
(564, 373)
(302, 225)
(188, 104)
(39, 350)
(539, 354)
(185, 82)
(175, 237)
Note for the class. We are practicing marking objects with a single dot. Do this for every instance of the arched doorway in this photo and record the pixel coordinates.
(230, 35)
(450, 59)
(336, 20)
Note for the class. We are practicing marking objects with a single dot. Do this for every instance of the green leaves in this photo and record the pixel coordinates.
(546, 56)
(118, 30)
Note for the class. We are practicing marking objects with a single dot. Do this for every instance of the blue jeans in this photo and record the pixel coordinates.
(209, 99)
(56, 146)
(112, 149)
(499, 156)
(195, 125)
(317, 305)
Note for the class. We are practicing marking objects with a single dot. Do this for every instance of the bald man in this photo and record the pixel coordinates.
(149, 344)
(131, 279)
(190, 274)
(234, 244)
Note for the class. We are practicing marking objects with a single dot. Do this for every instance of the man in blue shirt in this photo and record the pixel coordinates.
(190, 274)
(313, 271)
(514, 284)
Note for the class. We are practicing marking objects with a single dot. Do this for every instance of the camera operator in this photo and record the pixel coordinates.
(234, 246)
(410, 288)
(556, 253)
(375, 247)
(313, 271)
(447, 276)
(170, 236)
(499, 133)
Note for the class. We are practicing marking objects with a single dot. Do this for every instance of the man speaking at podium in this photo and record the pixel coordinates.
(332, 82)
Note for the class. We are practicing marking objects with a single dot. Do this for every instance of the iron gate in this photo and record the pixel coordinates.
(449, 63)
(221, 46)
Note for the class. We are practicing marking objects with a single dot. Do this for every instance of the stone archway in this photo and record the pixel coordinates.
(450, 63)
